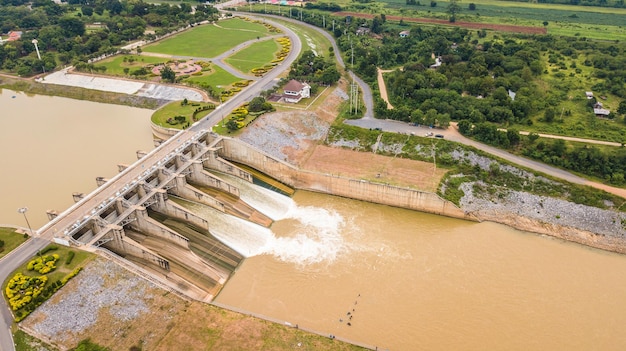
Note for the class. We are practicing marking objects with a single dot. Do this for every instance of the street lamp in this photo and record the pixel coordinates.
(23, 211)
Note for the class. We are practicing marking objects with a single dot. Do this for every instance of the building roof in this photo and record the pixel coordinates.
(405, 32)
(293, 85)
(601, 112)
(14, 35)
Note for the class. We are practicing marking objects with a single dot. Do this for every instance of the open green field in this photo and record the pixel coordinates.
(254, 56)
(175, 108)
(115, 65)
(11, 240)
(247, 25)
(208, 40)
(220, 79)
(570, 78)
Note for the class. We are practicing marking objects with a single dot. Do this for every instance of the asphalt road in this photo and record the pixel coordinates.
(105, 193)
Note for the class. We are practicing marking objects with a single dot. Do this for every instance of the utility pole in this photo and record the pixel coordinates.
(300, 14)
(324, 20)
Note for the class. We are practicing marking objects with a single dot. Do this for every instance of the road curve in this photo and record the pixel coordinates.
(366, 91)
(44, 235)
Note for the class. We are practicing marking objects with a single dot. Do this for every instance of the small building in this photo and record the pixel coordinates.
(295, 91)
(362, 31)
(601, 112)
(589, 95)
(512, 94)
(14, 35)
(405, 33)
(437, 63)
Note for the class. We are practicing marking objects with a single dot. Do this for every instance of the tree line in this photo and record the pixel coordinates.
(62, 33)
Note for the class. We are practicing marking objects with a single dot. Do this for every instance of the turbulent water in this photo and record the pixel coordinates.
(410, 281)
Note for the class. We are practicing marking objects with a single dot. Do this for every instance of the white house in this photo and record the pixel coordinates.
(295, 91)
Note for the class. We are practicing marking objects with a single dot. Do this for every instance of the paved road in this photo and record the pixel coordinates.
(453, 134)
(366, 92)
(108, 191)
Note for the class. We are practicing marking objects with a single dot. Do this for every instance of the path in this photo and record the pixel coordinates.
(382, 87)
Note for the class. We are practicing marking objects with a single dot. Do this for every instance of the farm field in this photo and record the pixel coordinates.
(585, 21)
(209, 40)
(254, 56)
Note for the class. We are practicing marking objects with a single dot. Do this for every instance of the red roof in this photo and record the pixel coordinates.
(293, 85)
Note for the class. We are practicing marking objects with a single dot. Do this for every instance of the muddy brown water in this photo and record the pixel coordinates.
(415, 281)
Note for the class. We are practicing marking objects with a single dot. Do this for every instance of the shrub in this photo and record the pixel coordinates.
(69, 258)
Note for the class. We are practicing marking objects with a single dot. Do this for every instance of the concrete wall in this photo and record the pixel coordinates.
(235, 150)
(145, 224)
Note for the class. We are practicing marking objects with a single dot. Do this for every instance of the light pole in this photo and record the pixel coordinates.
(23, 211)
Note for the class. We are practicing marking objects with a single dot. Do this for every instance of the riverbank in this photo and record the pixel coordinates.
(295, 137)
(34, 87)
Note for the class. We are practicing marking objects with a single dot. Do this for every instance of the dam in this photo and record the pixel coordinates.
(143, 215)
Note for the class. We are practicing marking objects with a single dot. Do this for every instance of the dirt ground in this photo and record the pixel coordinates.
(297, 136)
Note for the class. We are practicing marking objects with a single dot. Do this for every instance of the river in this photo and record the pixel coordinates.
(51, 147)
(408, 280)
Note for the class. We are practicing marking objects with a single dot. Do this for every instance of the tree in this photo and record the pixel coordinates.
(622, 107)
(256, 104)
(472, 6)
(453, 9)
(168, 75)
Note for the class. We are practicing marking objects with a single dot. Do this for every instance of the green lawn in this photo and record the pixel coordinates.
(254, 56)
(175, 108)
(240, 24)
(206, 41)
(220, 79)
(115, 65)
(11, 240)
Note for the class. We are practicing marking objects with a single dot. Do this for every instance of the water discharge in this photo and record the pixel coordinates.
(425, 282)
(315, 231)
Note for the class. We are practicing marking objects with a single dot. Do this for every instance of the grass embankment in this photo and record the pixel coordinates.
(25, 342)
(187, 113)
(106, 97)
(10, 240)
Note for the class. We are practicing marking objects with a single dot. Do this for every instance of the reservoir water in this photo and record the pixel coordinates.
(410, 281)
(51, 147)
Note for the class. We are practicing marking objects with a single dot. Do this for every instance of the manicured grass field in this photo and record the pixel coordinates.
(240, 24)
(160, 116)
(115, 65)
(11, 240)
(219, 79)
(254, 56)
(206, 40)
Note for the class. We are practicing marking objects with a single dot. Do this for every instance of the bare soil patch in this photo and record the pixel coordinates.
(377, 168)
(470, 25)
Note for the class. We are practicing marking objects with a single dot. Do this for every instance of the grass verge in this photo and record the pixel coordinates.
(11, 240)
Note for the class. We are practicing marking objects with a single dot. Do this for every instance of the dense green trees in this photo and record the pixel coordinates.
(314, 69)
(63, 36)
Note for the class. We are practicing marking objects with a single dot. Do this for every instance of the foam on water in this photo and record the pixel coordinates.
(318, 237)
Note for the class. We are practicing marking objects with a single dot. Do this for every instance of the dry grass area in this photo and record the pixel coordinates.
(376, 168)
(119, 310)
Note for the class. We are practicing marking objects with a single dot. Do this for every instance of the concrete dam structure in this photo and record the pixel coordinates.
(141, 219)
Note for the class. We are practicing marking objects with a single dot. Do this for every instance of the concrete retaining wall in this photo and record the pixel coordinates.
(235, 150)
